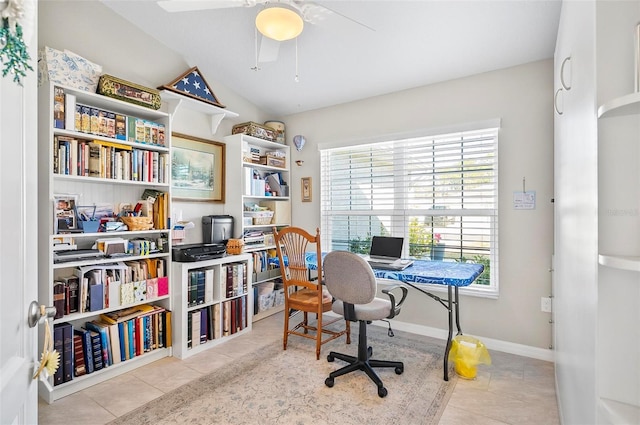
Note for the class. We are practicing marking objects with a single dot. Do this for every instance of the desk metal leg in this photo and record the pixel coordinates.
(448, 347)
(450, 303)
(457, 307)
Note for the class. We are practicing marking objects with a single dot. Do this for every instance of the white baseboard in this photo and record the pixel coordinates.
(491, 344)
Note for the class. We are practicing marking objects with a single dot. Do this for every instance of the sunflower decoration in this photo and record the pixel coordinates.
(50, 360)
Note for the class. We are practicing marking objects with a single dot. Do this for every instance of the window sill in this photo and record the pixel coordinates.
(490, 293)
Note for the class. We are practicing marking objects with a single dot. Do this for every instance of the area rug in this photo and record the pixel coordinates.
(273, 386)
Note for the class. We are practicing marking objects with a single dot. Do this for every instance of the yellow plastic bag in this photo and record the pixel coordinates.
(466, 354)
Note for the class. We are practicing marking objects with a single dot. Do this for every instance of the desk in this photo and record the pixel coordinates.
(423, 272)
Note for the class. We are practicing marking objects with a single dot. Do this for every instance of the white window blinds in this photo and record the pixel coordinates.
(438, 192)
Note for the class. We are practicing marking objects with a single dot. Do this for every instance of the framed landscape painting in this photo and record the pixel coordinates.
(197, 169)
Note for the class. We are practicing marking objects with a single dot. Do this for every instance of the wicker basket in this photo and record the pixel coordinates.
(260, 217)
(138, 223)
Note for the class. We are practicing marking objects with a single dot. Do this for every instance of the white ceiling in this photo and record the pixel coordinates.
(413, 43)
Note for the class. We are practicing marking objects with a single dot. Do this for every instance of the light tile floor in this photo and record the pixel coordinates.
(513, 390)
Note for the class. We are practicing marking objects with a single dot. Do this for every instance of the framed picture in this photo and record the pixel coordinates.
(64, 213)
(197, 169)
(306, 189)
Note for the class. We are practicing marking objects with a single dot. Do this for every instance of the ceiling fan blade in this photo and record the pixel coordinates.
(269, 49)
(323, 5)
(191, 5)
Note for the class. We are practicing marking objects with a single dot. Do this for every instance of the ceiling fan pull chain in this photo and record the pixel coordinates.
(297, 79)
(255, 48)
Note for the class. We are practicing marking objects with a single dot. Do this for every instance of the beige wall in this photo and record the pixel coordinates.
(521, 97)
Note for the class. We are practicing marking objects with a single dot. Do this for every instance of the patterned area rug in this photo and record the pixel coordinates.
(273, 386)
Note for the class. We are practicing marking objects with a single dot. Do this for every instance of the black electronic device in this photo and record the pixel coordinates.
(198, 252)
(217, 228)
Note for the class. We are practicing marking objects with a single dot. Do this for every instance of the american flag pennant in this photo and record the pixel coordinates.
(193, 84)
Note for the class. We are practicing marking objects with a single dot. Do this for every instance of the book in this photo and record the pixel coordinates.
(131, 335)
(96, 297)
(72, 284)
(195, 328)
(78, 356)
(217, 325)
(87, 348)
(114, 338)
(208, 286)
(192, 289)
(126, 314)
(102, 330)
(96, 344)
(67, 351)
(58, 107)
(200, 287)
(59, 299)
(204, 325)
(168, 334)
(70, 111)
(58, 341)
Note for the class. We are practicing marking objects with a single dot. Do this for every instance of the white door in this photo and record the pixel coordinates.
(18, 244)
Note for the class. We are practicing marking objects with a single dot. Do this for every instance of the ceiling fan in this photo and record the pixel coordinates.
(297, 12)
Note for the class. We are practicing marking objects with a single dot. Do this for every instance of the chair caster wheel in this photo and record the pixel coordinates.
(329, 383)
(370, 351)
(382, 392)
(399, 370)
(330, 358)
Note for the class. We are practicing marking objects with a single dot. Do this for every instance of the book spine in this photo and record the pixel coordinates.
(200, 287)
(87, 349)
(59, 299)
(58, 107)
(67, 355)
(204, 321)
(58, 342)
(96, 345)
(70, 111)
(78, 355)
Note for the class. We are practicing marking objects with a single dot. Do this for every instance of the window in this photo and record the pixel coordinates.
(438, 192)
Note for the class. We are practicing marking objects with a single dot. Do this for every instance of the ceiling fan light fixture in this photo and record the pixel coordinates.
(279, 23)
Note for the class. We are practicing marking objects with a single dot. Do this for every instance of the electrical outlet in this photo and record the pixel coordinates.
(545, 304)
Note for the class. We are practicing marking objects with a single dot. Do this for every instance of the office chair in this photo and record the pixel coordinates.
(301, 293)
(351, 281)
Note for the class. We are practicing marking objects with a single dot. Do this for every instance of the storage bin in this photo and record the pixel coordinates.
(256, 130)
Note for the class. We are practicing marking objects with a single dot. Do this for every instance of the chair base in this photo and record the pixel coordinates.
(362, 362)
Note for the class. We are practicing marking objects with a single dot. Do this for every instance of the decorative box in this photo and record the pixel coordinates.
(256, 130)
(67, 69)
(129, 92)
(273, 161)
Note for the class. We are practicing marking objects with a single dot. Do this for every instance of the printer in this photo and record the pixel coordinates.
(198, 252)
(216, 231)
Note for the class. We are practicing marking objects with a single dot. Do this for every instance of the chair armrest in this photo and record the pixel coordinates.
(395, 307)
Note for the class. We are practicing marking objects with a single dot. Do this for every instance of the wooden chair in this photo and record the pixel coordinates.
(300, 292)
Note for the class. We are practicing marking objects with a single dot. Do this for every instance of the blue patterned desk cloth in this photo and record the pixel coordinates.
(424, 272)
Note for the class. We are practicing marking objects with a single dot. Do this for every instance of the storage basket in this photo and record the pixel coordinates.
(261, 217)
(138, 223)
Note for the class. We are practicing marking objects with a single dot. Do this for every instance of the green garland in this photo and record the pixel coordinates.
(13, 52)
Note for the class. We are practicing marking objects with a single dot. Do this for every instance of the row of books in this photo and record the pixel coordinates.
(97, 287)
(71, 115)
(263, 260)
(211, 323)
(114, 338)
(202, 284)
(108, 160)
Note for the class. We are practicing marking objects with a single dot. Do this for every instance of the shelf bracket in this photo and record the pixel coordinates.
(172, 106)
(216, 119)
